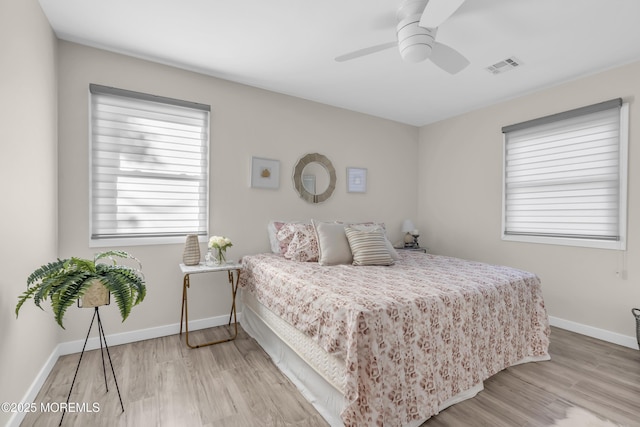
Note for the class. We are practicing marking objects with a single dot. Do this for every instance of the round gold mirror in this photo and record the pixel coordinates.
(314, 178)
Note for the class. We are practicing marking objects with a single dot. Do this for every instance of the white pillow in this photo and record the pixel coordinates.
(272, 230)
(333, 246)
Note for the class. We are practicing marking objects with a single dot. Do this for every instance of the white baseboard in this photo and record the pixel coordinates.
(115, 339)
(593, 332)
(142, 334)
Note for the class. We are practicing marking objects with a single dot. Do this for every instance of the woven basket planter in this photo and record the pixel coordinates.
(96, 296)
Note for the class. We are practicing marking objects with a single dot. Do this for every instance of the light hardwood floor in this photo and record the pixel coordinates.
(164, 383)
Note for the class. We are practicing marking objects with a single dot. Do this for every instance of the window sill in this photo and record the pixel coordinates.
(141, 241)
(585, 243)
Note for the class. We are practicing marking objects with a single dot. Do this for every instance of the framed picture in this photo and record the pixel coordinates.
(356, 180)
(265, 173)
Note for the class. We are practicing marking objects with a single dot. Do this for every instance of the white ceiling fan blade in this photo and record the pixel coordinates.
(448, 58)
(438, 11)
(366, 51)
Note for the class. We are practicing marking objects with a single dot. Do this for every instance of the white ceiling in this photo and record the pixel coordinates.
(289, 46)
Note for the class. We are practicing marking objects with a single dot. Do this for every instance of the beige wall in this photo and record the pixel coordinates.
(28, 177)
(460, 203)
(245, 122)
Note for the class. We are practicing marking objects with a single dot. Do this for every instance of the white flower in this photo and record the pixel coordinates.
(220, 242)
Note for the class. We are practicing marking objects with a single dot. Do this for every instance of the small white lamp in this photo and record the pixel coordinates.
(407, 226)
(411, 234)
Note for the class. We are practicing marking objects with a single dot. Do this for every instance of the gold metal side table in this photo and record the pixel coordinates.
(188, 270)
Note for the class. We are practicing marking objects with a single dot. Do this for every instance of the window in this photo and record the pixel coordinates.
(149, 168)
(565, 178)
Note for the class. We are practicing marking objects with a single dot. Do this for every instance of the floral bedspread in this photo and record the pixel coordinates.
(413, 334)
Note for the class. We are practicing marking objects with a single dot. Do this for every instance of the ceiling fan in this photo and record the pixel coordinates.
(418, 22)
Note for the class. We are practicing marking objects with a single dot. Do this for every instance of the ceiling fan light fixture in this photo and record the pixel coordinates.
(416, 52)
(414, 42)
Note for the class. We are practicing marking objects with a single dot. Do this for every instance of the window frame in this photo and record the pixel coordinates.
(159, 239)
(623, 145)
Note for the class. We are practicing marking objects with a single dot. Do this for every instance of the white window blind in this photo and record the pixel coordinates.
(565, 177)
(149, 165)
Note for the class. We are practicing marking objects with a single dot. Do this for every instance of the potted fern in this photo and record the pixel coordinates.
(90, 282)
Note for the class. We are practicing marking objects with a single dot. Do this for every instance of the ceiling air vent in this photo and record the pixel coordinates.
(504, 65)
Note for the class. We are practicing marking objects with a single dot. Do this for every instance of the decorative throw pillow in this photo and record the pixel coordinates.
(370, 226)
(368, 246)
(279, 244)
(303, 245)
(333, 246)
(284, 235)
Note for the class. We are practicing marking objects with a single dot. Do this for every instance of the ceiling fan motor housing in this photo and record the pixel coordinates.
(415, 42)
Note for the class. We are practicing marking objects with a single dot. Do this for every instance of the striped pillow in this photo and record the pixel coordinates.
(368, 246)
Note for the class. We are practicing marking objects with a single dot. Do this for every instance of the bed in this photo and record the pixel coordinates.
(392, 344)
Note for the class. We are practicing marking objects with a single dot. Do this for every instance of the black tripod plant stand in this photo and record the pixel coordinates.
(102, 338)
